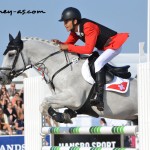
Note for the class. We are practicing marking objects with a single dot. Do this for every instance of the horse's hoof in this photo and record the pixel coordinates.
(67, 118)
(71, 112)
(59, 117)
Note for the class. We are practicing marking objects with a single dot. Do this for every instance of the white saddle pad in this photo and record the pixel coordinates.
(117, 84)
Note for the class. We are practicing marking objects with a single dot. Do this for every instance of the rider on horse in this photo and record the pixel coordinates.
(94, 35)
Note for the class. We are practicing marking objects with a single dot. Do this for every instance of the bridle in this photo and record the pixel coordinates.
(39, 66)
(12, 72)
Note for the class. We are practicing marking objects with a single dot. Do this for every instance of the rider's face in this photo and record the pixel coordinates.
(68, 24)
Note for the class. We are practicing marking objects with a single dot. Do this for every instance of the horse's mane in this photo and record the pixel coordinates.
(49, 43)
(40, 40)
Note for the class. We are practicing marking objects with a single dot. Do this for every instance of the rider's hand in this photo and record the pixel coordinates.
(56, 41)
(63, 47)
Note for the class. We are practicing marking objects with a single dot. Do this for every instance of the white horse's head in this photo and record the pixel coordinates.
(14, 60)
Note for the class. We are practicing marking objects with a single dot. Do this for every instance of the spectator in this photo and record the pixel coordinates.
(21, 93)
(103, 122)
(4, 125)
(12, 90)
(19, 106)
(19, 124)
(4, 90)
(15, 98)
(3, 102)
(11, 113)
(5, 97)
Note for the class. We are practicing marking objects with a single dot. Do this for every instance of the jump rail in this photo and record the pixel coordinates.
(128, 130)
(82, 148)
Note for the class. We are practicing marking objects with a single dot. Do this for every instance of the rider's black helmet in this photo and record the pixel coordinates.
(70, 13)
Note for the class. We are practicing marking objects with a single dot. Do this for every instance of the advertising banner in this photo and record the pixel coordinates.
(17, 142)
(105, 141)
(12, 143)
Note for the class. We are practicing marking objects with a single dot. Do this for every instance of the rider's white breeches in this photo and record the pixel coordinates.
(105, 57)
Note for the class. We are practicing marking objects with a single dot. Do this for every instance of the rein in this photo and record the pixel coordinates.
(48, 81)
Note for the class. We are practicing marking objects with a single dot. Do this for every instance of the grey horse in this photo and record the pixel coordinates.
(62, 71)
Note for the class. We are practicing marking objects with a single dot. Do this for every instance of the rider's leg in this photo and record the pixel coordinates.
(104, 58)
(99, 89)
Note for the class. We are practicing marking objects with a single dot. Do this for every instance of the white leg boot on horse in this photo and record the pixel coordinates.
(99, 89)
(59, 117)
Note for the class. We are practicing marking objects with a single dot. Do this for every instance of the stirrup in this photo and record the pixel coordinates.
(100, 106)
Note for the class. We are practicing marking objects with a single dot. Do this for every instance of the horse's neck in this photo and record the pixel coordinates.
(38, 50)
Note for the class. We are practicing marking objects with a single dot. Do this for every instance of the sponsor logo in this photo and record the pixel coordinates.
(12, 147)
(108, 144)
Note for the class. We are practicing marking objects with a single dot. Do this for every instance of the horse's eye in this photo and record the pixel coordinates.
(11, 55)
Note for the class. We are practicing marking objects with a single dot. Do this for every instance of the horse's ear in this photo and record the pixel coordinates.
(10, 37)
(18, 37)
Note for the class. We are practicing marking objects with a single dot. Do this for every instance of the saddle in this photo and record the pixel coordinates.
(111, 71)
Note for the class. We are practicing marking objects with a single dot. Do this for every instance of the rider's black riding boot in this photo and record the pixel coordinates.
(99, 89)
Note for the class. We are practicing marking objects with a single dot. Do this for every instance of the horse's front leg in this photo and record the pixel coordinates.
(59, 100)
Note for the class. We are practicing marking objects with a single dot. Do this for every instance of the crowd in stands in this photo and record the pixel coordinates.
(11, 110)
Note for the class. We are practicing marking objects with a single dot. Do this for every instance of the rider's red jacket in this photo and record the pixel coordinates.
(91, 33)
